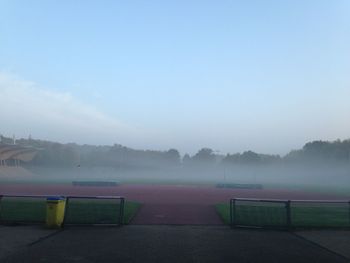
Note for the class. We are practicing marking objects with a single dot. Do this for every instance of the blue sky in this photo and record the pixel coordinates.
(230, 75)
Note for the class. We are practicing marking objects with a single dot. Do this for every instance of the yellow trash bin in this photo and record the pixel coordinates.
(55, 207)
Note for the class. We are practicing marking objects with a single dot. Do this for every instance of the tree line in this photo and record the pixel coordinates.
(71, 154)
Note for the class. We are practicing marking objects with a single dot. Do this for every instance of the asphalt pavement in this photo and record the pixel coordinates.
(164, 243)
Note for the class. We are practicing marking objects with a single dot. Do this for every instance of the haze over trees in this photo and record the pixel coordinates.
(53, 154)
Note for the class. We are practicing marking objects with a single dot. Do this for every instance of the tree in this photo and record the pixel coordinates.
(172, 156)
(186, 160)
(250, 157)
(232, 158)
(204, 155)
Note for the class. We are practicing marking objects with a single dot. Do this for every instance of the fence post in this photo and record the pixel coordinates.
(1, 209)
(65, 211)
(288, 211)
(232, 211)
(349, 212)
(121, 212)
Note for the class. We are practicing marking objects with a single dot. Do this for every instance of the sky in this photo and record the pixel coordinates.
(266, 76)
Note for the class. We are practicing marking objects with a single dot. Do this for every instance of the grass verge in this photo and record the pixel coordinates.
(130, 210)
(303, 216)
(224, 212)
(79, 211)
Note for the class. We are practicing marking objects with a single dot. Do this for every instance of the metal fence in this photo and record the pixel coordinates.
(279, 213)
(29, 209)
(96, 210)
(79, 210)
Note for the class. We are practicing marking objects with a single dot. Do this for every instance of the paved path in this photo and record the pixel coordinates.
(168, 244)
(16, 238)
(335, 240)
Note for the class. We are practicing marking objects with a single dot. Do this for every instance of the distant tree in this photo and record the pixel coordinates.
(57, 154)
(316, 151)
(204, 155)
(232, 159)
(172, 156)
(250, 157)
(186, 160)
(294, 155)
(269, 158)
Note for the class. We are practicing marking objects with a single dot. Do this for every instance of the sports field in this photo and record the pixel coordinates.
(183, 204)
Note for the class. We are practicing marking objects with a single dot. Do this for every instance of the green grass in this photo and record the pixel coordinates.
(306, 215)
(224, 212)
(80, 211)
(31, 210)
(87, 211)
(130, 210)
(321, 216)
(92, 211)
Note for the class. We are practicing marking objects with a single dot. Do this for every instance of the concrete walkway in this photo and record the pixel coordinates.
(16, 238)
(334, 240)
(137, 243)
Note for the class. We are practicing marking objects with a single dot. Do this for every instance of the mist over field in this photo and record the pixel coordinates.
(319, 165)
(316, 176)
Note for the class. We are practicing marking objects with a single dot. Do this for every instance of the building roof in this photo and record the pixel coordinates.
(23, 153)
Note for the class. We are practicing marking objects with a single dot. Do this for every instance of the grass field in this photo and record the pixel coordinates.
(80, 211)
(224, 212)
(305, 215)
(130, 210)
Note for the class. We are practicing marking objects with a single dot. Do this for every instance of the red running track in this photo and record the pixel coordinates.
(167, 204)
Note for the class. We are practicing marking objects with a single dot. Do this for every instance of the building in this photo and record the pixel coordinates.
(13, 155)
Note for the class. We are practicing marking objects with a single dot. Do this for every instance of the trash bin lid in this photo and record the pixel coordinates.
(54, 198)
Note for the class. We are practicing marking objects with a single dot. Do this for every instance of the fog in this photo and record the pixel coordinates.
(202, 93)
(316, 177)
(318, 165)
